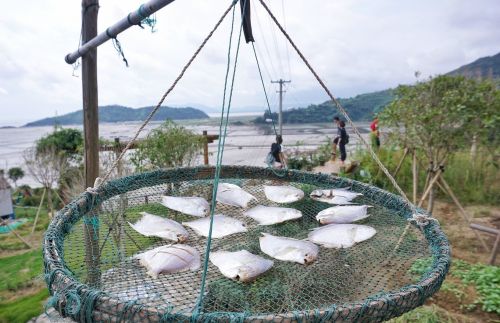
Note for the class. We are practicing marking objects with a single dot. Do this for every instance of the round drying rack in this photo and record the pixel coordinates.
(372, 281)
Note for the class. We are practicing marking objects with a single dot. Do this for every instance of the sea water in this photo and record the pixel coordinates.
(246, 144)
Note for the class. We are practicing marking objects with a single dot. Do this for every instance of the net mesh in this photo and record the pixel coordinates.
(97, 278)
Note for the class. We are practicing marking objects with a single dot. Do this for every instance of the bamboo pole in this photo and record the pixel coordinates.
(430, 186)
(448, 191)
(38, 211)
(4, 222)
(133, 18)
(405, 153)
(415, 177)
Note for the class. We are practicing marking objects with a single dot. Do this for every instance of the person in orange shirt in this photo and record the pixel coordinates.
(375, 134)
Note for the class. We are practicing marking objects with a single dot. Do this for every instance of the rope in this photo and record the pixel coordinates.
(220, 153)
(150, 21)
(117, 45)
(179, 77)
(264, 88)
(342, 110)
(284, 170)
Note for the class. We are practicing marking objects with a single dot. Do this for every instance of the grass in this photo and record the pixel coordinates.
(24, 308)
(21, 294)
(18, 271)
(427, 314)
(482, 176)
(10, 243)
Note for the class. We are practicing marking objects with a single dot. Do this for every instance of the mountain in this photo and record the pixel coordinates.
(483, 68)
(117, 113)
(362, 107)
(359, 108)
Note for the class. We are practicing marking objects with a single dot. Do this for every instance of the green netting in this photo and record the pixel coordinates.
(368, 282)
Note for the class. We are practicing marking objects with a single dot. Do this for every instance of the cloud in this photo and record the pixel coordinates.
(355, 46)
(3, 91)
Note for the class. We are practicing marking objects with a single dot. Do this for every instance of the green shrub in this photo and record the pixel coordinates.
(169, 145)
(486, 280)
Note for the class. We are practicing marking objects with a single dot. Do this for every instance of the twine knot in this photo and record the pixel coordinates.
(93, 190)
(421, 219)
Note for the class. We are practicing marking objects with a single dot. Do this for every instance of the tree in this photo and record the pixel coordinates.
(442, 116)
(169, 145)
(68, 141)
(46, 167)
(483, 117)
(15, 173)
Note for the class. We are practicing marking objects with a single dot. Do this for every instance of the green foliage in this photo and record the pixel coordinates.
(169, 145)
(15, 173)
(486, 280)
(421, 266)
(482, 176)
(309, 160)
(443, 114)
(18, 271)
(67, 141)
(23, 309)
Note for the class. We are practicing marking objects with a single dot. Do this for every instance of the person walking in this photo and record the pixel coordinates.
(343, 140)
(336, 121)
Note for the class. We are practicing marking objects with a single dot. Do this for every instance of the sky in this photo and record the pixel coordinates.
(356, 46)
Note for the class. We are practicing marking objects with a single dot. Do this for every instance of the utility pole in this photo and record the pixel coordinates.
(90, 9)
(280, 115)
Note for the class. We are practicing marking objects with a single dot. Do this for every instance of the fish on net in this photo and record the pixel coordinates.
(370, 280)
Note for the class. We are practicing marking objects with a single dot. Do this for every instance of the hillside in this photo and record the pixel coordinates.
(483, 68)
(363, 106)
(117, 113)
(360, 107)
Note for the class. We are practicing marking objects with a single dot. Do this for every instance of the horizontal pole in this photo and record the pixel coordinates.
(484, 229)
(132, 19)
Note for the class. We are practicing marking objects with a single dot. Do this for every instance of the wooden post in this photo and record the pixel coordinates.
(90, 9)
(430, 187)
(119, 168)
(38, 211)
(466, 217)
(205, 147)
(405, 152)
(415, 177)
(495, 250)
(207, 139)
(496, 232)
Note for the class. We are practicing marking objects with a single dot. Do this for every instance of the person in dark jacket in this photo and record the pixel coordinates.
(336, 121)
(277, 152)
(343, 140)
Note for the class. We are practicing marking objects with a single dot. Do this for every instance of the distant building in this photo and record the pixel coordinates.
(6, 210)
